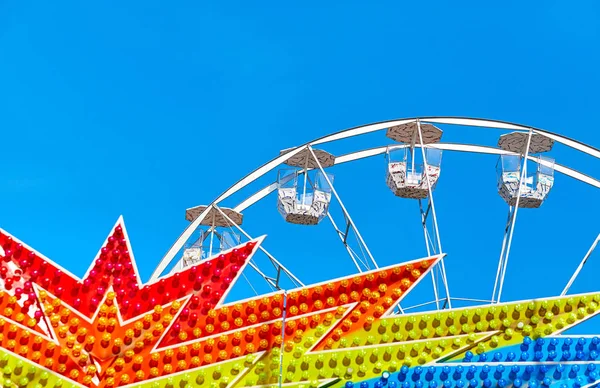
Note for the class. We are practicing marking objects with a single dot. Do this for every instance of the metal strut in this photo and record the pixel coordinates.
(349, 225)
(436, 242)
(580, 267)
(509, 230)
(279, 268)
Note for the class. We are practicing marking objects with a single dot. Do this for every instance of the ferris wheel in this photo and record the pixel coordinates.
(304, 188)
(367, 329)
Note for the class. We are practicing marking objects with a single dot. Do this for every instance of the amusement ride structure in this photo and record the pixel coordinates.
(109, 329)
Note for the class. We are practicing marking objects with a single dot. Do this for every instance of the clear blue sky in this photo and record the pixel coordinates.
(148, 108)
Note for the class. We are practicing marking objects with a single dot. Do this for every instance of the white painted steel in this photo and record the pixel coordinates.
(514, 217)
(571, 143)
(270, 256)
(580, 267)
(187, 233)
(335, 193)
(369, 128)
(434, 216)
(363, 154)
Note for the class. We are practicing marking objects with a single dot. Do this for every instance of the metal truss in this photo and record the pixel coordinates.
(427, 207)
(363, 261)
(509, 230)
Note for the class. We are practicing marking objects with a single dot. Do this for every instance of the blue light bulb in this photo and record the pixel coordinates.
(568, 341)
(533, 384)
(539, 342)
(517, 383)
(364, 384)
(349, 384)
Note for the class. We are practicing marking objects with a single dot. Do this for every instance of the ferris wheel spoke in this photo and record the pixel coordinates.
(514, 218)
(344, 239)
(276, 263)
(343, 207)
(425, 215)
(580, 267)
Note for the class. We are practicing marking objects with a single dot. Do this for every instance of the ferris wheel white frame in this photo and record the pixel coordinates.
(433, 244)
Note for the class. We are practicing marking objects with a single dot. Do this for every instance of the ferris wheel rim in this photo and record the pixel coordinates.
(361, 130)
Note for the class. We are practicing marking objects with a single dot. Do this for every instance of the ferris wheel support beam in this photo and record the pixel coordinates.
(278, 266)
(504, 259)
(580, 267)
(356, 131)
(343, 238)
(346, 214)
(434, 219)
(429, 245)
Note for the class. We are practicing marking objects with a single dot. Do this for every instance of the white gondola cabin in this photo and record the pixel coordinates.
(304, 192)
(534, 188)
(303, 198)
(216, 234)
(408, 176)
